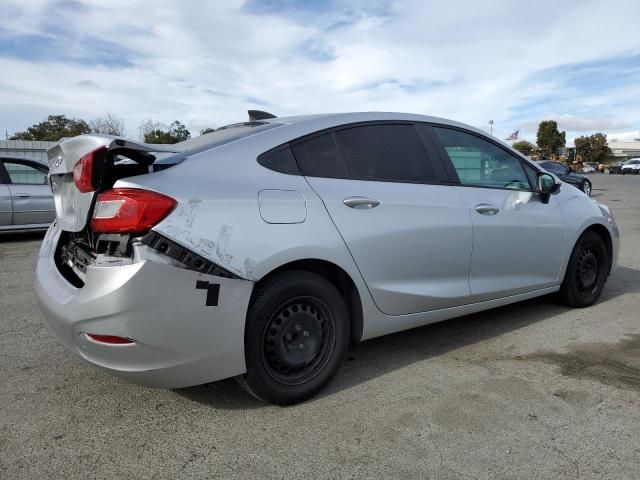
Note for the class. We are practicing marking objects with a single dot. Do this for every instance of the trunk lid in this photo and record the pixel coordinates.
(73, 206)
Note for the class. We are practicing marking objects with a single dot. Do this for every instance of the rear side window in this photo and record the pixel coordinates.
(384, 153)
(280, 160)
(319, 157)
(479, 162)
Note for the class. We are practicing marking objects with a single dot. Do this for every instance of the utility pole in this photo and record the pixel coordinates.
(491, 126)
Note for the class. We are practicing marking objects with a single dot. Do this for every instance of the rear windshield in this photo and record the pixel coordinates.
(214, 139)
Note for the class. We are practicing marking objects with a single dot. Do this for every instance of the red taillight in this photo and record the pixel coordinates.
(129, 210)
(83, 171)
(109, 339)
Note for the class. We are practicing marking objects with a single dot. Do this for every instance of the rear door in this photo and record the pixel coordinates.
(518, 241)
(409, 234)
(31, 195)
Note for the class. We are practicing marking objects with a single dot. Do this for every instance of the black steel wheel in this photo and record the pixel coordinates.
(298, 340)
(587, 271)
(296, 337)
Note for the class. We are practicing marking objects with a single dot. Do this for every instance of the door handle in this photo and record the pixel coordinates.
(22, 195)
(360, 202)
(485, 209)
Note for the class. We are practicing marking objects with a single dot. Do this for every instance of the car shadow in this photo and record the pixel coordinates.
(374, 358)
(21, 236)
(624, 280)
(379, 356)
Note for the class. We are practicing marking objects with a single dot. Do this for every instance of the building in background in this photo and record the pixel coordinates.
(27, 148)
(624, 150)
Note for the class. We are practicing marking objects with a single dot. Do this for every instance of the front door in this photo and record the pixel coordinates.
(31, 195)
(518, 241)
(409, 236)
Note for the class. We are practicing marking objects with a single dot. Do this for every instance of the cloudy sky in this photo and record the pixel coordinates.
(207, 62)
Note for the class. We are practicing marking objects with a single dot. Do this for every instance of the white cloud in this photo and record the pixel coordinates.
(207, 63)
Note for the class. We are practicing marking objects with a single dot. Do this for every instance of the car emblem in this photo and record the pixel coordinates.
(58, 161)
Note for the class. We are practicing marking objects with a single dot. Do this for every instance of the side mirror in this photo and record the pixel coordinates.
(546, 185)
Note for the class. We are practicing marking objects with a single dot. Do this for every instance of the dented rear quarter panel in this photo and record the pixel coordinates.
(218, 213)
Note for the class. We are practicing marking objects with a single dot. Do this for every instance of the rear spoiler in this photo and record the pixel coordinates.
(64, 154)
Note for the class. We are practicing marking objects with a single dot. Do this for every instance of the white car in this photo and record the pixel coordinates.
(631, 166)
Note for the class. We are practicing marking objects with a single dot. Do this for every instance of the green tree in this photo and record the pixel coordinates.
(158, 133)
(549, 138)
(207, 130)
(593, 148)
(53, 129)
(524, 147)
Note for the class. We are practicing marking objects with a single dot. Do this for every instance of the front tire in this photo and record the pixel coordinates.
(586, 273)
(296, 337)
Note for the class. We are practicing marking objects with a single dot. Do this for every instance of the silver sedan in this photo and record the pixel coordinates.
(26, 201)
(262, 250)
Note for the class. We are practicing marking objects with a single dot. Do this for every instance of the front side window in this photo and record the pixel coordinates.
(384, 153)
(25, 174)
(481, 163)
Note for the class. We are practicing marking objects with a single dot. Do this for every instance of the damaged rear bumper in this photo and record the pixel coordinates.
(188, 326)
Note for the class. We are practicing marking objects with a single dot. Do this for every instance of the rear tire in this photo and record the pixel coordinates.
(296, 337)
(586, 273)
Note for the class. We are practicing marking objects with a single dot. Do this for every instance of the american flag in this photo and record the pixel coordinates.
(513, 136)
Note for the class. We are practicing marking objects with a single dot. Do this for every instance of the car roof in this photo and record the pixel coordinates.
(337, 119)
(322, 121)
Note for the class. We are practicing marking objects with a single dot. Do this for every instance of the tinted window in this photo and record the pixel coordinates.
(480, 162)
(319, 157)
(554, 167)
(384, 152)
(281, 160)
(25, 174)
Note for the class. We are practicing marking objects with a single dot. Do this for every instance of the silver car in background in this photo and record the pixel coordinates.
(262, 250)
(26, 201)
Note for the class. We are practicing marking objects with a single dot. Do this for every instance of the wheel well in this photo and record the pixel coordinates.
(340, 279)
(603, 233)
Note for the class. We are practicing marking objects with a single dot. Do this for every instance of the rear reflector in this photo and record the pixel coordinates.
(130, 210)
(83, 170)
(109, 339)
